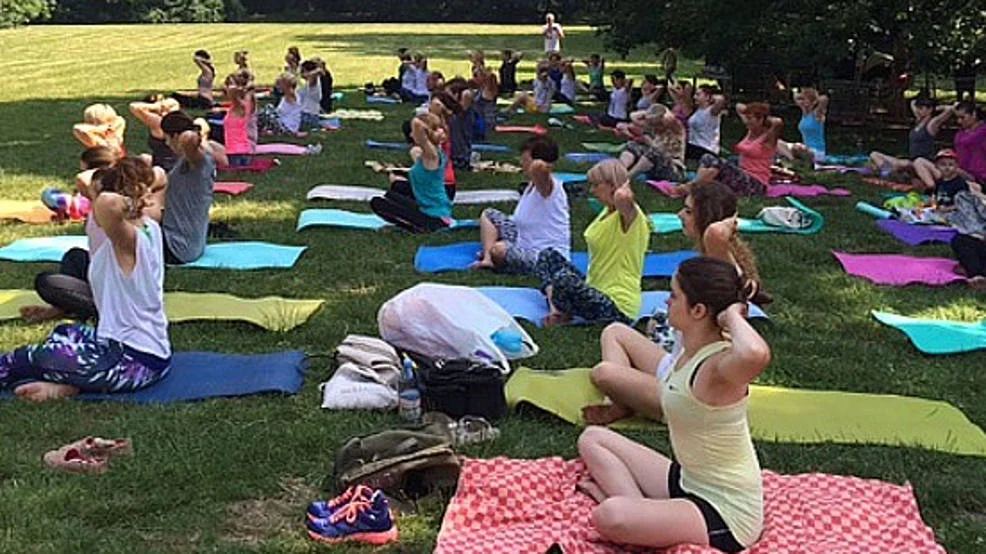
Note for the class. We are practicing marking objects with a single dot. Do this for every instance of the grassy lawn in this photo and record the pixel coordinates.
(235, 475)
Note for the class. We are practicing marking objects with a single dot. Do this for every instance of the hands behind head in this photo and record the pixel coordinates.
(722, 231)
(735, 309)
(540, 170)
(623, 194)
(189, 141)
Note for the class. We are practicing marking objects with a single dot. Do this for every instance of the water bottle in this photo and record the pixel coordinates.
(409, 397)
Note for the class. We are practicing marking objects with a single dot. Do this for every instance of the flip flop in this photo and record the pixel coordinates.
(475, 430)
(71, 459)
(97, 447)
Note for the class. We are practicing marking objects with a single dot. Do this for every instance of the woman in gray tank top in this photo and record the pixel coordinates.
(920, 145)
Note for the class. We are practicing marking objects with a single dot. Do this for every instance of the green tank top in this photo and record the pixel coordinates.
(596, 77)
(713, 446)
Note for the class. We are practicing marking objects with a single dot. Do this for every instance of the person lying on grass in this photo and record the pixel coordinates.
(129, 349)
(541, 220)
(420, 203)
(617, 240)
(712, 494)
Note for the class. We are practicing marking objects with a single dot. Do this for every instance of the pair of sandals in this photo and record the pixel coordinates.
(89, 455)
(467, 430)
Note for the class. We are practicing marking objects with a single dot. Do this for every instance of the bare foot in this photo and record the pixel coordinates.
(41, 391)
(589, 488)
(604, 414)
(556, 318)
(483, 263)
(35, 314)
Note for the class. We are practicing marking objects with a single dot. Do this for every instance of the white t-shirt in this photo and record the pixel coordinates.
(544, 91)
(289, 114)
(568, 87)
(421, 82)
(408, 80)
(310, 97)
(618, 100)
(552, 37)
(544, 222)
(131, 307)
(703, 129)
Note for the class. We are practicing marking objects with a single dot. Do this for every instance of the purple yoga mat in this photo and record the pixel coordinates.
(898, 271)
(913, 235)
(668, 188)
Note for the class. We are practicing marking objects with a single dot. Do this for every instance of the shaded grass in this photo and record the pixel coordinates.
(229, 475)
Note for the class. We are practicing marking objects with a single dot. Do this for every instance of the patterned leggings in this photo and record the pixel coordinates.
(72, 355)
(269, 123)
(570, 293)
(731, 175)
(518, 260)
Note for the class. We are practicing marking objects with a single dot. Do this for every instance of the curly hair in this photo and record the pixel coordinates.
(130, 177)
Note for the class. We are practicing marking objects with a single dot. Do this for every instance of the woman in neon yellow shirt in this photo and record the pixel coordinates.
(713, 494)
(617, 241)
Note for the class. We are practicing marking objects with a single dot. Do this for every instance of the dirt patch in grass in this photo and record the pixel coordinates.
(258, 520)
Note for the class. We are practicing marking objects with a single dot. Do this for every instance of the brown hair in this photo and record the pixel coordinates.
(130, 177)
(758, 110)
(711, 282)
(98, 157)
(712, 202)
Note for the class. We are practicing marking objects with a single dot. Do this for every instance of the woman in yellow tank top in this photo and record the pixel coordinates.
(713, 494)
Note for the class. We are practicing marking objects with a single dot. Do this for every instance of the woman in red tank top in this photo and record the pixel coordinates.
(756, 153)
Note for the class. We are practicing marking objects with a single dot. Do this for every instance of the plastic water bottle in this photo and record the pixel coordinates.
(409, 397)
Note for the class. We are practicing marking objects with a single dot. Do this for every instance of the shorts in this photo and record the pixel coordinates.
(719, 534)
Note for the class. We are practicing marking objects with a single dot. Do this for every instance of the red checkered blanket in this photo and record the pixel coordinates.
(526, 506)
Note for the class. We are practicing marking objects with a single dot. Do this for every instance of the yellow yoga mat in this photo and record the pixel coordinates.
(272, 313)
(786, 415)
(26, 211)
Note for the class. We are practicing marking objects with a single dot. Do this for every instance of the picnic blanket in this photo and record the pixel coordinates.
(530, 304)
(223, 255)
(668, 188)
(662, 223)
(365, 194)
(606, 147)
(460, 256)
(232, 188)
(367, 115)
(914, 235)
(330, 217)
(25, 211)
(509, 506)
(785, 415)
(201, 375)
(933, 336)
(270, 312)
(899, 270)
(536, 129)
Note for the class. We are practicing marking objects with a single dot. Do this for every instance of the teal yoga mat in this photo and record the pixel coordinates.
(331, 217)
(937, 336)
(224, 255)
(669, 223)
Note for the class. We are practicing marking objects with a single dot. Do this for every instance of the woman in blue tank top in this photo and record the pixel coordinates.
(814, 107)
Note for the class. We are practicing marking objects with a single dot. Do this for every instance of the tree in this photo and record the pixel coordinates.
(19, 12)
(136, 11)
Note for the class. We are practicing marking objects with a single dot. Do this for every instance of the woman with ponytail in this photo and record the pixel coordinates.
(712, 494)
(617, 241)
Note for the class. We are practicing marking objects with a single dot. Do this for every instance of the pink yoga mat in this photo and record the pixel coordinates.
(898, 270)
(537, 129)
(232, 188)
(280, 149)
(668, 188)
(505, 506)
(257, 165)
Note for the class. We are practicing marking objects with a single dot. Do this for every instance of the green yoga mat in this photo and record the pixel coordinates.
(606, 147)
(663, 223)
(272, 313)
(786, 415)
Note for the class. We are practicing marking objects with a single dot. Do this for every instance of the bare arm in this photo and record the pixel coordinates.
(112, 211)
(716, 239)
(774, 129)
(147, 114)
(87, 135)
(218, 152)
(936, 122)
(748, 356)
(822, 109)
(719, 104)
(429, 152)
(623, 200)
(541, 177)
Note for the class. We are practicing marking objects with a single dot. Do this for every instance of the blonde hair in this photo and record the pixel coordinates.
(289, 79)
(168, 105)
(612, 172)
(810, 94)
(99, 114)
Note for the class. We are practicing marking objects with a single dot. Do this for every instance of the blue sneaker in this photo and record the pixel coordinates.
(365, 521)
(324, 509)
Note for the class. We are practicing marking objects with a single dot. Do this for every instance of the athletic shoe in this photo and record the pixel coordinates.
(366, 521)
(324, 509)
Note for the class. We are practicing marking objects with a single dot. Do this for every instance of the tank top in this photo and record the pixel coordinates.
(428, 186)
(187, 202)
(236, 132)
(713, 446)
(921, 143)
(205, 83)
(544, 222)
(616, 258)
(161, 154)
(567, 88)
(755, 158)
(596, 77)
(703, 129)
(812, 133)
(131, 307)
(970, 145)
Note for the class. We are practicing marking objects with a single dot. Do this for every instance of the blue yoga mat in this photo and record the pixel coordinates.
(587, 157)
(201, 375)
(486, 147)
(223, 255)
(530, 304)
(331, 217)
(381, 100)
(935, 336)
(570, 177)
(459, 256)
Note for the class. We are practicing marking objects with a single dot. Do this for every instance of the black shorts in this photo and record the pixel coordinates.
(719, 534)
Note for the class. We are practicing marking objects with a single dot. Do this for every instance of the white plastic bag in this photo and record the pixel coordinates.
(451, 322)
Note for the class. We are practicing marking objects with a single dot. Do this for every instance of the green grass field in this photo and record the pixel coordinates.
(235, 475)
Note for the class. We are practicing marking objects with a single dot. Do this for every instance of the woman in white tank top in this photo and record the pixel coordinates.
(129, 349)
(705, 123)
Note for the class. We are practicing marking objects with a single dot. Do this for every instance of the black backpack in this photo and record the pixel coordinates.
(461, 387)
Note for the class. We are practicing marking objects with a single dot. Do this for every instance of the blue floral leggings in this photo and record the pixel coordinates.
(72, 355)
(571, 294)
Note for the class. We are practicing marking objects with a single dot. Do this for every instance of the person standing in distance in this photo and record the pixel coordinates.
(553, 34)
